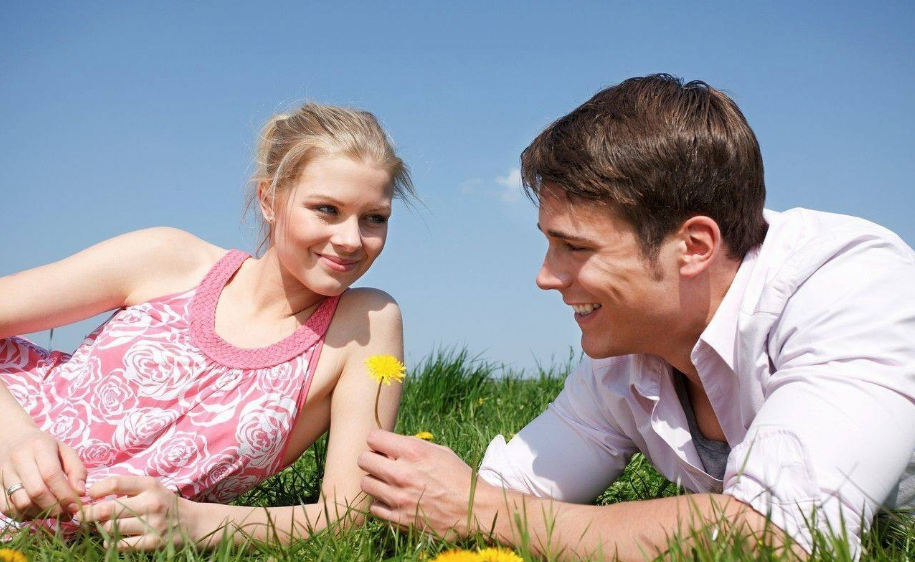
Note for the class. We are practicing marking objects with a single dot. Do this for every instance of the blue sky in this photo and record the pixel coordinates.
(117, 117)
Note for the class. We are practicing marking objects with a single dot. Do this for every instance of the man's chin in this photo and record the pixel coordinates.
(598, 350)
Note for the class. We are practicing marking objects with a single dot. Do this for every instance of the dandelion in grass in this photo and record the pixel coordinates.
(384, 369)
(457, 555)
(10, 555)
(425, 436)
(495, 554)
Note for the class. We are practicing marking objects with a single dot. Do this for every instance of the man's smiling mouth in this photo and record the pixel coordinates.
(585, 309)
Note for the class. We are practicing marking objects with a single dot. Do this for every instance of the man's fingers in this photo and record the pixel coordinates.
(382, 510)
(74, 468)
(379, 490)
(390, 444)
(377, 465)
(121, 486)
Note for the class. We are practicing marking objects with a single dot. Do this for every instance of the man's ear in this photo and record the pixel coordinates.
(266, 199)
(701, 242)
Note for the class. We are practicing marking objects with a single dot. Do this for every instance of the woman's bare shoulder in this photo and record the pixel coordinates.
(368, 301)
(363, 314)
(172, 260)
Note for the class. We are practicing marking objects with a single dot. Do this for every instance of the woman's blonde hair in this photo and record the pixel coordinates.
(289, 141)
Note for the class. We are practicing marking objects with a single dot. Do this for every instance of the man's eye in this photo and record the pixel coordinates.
(573, 248)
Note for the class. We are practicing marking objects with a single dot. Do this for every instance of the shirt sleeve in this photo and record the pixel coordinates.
(836, 431)
(571, 452)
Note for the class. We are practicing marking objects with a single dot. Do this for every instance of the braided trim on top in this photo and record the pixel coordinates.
(203, 321)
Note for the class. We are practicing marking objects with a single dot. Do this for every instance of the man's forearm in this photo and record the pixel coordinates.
(629, 530)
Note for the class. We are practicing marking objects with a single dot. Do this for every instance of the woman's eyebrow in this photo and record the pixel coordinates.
(323, 197)
(331, 199)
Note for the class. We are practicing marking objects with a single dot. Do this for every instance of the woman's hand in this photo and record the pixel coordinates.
(145, 516)
(45, 477)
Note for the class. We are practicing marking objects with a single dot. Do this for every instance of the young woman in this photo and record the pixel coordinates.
(218, 369)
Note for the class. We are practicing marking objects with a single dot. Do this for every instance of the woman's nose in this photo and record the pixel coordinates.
(347, 235)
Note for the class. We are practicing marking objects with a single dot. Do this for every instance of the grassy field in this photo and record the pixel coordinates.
(463, 402)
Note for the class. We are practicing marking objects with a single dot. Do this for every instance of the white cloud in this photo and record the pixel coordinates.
(511, 184)
(508, 188)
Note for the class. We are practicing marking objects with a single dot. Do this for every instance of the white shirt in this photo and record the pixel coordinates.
(809, 364)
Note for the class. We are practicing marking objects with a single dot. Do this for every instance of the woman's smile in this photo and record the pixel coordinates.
(338, 264)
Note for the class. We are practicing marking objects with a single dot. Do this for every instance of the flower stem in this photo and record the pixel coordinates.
(377, 396)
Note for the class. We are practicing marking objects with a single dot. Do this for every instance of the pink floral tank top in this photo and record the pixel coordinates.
(154, 391)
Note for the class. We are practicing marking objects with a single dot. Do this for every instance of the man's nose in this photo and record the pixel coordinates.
(550, 278)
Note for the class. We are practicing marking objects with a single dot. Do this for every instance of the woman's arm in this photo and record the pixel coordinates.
(123, 270)
(105, 276)
(367, 323)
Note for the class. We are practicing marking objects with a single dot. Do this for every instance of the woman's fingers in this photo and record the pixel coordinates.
(40, 496)
(9, 480)
(50, 467)
(115, 509)
(145, 543)
(122, 486)
(126, 527)
(74, 468)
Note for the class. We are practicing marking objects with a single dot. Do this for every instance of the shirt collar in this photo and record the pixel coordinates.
(721, 333)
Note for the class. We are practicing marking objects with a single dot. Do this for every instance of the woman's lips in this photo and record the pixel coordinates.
(338, 264)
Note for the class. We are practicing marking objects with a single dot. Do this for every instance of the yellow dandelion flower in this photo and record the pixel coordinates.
(385, 368)
(10, 555)
(425, 436)
(495, 554)
(457, 555)
(480, 402)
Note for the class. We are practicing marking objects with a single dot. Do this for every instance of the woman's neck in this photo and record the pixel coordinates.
(271, 291)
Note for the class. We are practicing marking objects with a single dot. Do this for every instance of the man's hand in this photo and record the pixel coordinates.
(416, 484)
(147, 515)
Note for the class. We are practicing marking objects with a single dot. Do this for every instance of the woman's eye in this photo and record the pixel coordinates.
(377, 219)
(326, 210)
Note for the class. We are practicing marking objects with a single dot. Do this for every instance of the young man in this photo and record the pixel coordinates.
(765, 361)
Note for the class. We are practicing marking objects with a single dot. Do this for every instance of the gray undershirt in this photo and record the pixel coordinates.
(714, 454)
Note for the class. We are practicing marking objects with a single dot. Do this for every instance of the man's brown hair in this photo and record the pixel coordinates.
(657, 152)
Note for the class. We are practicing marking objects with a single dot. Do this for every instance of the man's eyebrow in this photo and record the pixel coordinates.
(563, 236)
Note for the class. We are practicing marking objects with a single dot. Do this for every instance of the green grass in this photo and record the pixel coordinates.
(464, 401)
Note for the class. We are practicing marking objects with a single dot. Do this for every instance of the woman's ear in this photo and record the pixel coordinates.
(266, 197)
(702, 242)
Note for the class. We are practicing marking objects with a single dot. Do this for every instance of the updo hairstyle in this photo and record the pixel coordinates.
(288, 142)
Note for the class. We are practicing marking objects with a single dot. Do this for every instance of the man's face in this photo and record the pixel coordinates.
(622, 303)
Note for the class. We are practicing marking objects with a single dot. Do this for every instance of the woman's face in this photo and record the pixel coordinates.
(333, 223)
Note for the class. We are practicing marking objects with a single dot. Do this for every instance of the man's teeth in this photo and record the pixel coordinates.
(585, 309)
